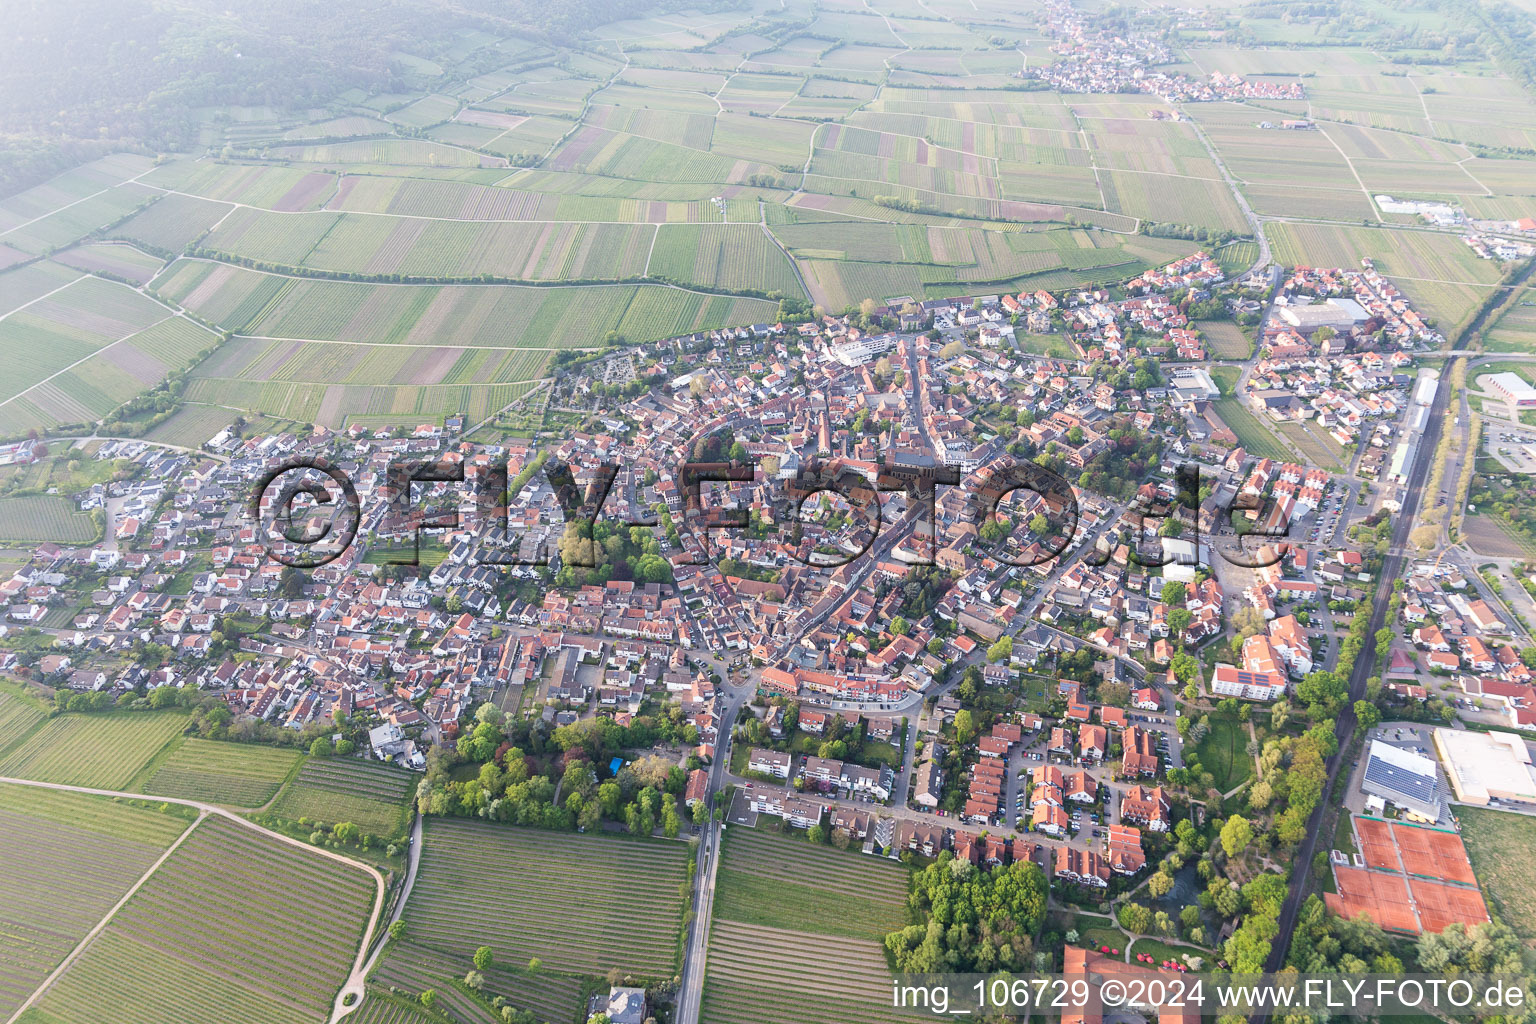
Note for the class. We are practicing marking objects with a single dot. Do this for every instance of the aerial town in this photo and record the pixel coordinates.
(1008, 686)
(803, 513)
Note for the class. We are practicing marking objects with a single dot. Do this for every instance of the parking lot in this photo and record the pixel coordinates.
(1325, 523)
(1515, 449)
(1088, 821)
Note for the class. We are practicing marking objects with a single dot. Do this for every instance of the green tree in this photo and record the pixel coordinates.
(1236, 834)
(1323, 692)
(483, 958)
(1135, 918)
(965, 726)
(1178, 621)
(1000, 651)
(1367, 714)
(321, 747)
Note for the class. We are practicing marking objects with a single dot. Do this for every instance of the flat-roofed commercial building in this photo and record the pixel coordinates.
(1514, 389)
(1483, 767)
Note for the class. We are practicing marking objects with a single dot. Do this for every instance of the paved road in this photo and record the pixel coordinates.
(413, 863)
(1365, 666)
(1242, 201)
(354, 982)
(696, 944)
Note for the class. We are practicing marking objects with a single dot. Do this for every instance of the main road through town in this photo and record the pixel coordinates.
(1364, 668)
(691, 988)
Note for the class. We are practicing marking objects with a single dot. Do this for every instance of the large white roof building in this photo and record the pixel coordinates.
(1484, 767)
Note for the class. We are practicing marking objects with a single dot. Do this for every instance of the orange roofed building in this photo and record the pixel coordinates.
(1093, 965)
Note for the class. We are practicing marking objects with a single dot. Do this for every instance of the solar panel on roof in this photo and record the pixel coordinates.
(1400, 780)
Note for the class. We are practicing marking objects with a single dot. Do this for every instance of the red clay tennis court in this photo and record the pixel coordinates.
(1440, 905)
(1376, 845)
(1417, 879)
(1379, 896)
(1433, 853)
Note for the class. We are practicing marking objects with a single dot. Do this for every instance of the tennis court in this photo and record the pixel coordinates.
(1374, 838)
(1433, 853)
(1379, 896)
(1416, 879)
(1440, 905)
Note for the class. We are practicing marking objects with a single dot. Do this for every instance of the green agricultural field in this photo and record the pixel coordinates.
(1236, 257)
(852, 897)
(123, 261)
(414, 968)
(101, 751)
(233, 927)
(1438, 272)
(75, 220)
(729, 256)
(191, 426)
(383, 1007)
(1314, 443)
(21, 285)
(171, 223)
(253, 303)
(1253, 435)
(1055, 346)
(331, 791)
(83, 854)
(763, 960)
(1499, 844)
(19, 715)
(57, 349)
(1515, 331)
(579, 903)
(240, 775)
(1224, 339)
